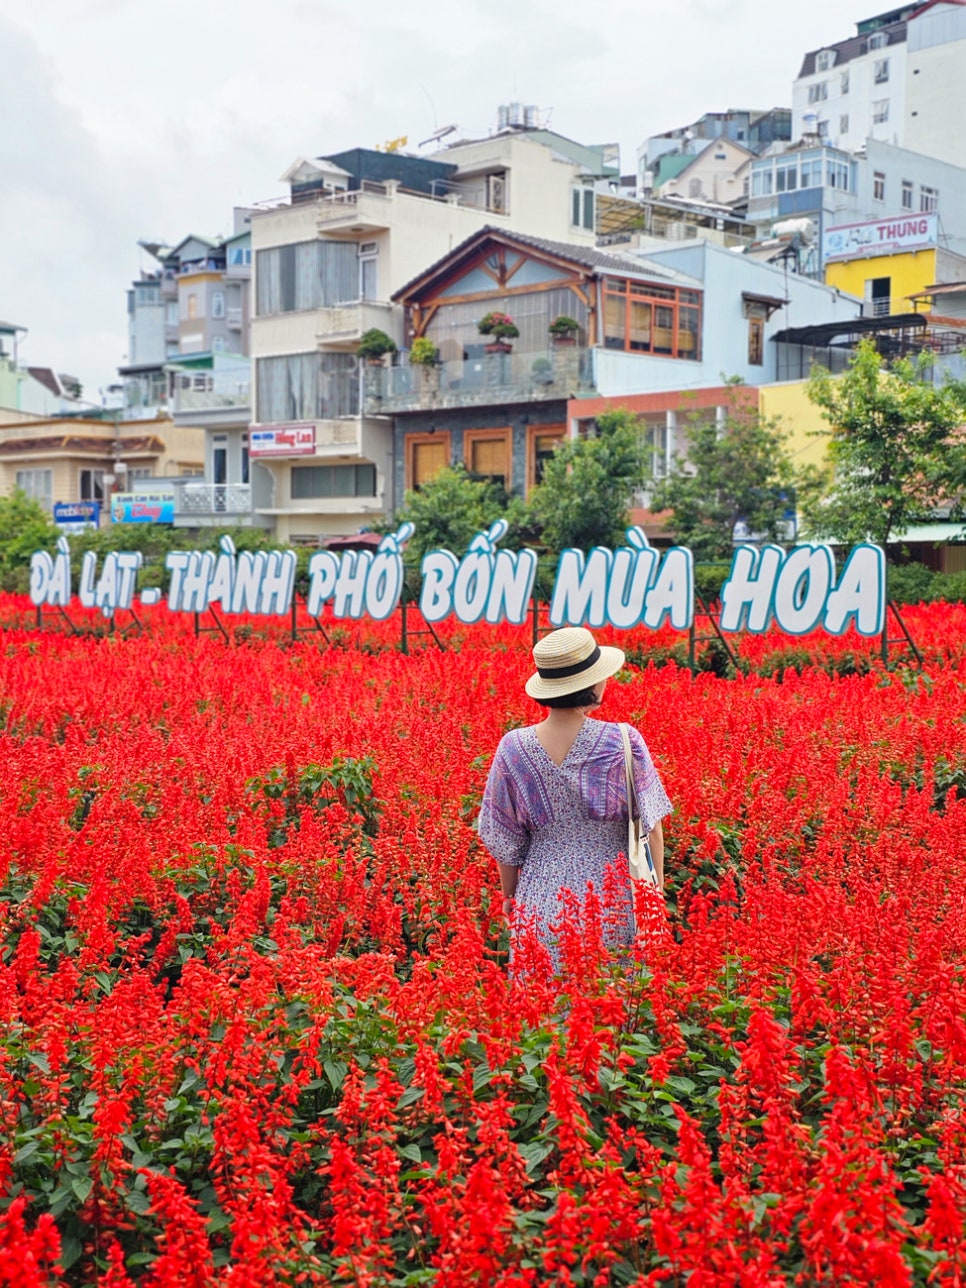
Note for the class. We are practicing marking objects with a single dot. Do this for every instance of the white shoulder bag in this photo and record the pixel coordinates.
(639, 859)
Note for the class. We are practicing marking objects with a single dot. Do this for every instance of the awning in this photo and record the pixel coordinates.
(926, 533)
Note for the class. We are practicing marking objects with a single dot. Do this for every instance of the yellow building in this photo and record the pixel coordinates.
(71, 460)
(801, 420)
(887, 262)
(886, 283)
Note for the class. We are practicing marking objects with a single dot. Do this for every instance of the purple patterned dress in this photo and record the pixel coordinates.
(563, 824)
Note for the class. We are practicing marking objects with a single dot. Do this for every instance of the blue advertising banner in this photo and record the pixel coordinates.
(75, 516)
(142, 507)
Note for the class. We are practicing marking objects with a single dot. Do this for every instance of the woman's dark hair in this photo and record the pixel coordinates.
(566, 701)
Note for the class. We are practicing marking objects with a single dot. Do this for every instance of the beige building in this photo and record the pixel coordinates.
(358, 227)
(718, 174)
(72, 460)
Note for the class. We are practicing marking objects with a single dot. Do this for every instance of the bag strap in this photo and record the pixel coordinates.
(633, 809)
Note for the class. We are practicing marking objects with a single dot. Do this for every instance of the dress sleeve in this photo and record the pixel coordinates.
(653, 800)
(502, 823)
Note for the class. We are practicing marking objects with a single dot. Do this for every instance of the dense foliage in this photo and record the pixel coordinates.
(731, 471)
(897, 449)
(582, 500)
(258, 1026)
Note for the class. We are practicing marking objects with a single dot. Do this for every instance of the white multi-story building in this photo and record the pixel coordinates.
(898, 79)
(359, 225)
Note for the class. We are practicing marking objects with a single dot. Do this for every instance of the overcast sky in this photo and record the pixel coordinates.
(129, 119)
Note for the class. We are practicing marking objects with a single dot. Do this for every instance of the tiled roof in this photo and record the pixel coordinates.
(73, 444)
(588, 256)
(854, 47)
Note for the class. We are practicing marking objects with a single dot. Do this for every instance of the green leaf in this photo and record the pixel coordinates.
(335, 1071)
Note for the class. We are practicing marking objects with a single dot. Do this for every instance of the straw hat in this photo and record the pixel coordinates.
(569, 660)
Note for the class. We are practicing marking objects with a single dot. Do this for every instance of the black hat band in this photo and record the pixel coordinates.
(562, 672)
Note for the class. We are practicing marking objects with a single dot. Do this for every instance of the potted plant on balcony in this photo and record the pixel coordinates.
(423, 353)
(374, 345)
(424, 357)
(542, 371)
(501, 327)
(564, 329)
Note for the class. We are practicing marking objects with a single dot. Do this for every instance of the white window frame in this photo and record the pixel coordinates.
(880, 71)
(818, 92)
(878, 186)
(907, 194)
(928, 199)
(91, 482)
(880, 111)
(38, 484)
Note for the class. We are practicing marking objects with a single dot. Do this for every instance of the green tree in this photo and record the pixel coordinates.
(24, 527)
(583, 497)
(738, 469)
(452, 508)
(896, 456)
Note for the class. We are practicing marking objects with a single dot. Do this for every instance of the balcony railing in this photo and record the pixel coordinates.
(188, 400)
(203, 500)
(350, 319)
(478, 381)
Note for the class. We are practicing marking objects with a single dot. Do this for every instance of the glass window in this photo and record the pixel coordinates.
(488, 456)
(756, 342)
(844, 82)
(306, 275)
(639, 326)
(543, 444)
(762, 182)
(320, 482)
(818, 92)
(880, 72)
(838, 175)
(641, 318)
(307, 386)
(843, 125)
(427, 459)
(928, 199)
(906, 195)
(878, 186)
(582, 208)
(368, 278)
(812, 174)
(38, 485)
(91, 485)
(880, 110)
(218, 304)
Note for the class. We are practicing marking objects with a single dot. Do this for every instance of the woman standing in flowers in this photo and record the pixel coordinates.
(554, 812)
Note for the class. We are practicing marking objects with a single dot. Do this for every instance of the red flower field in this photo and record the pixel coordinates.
(258, 1027)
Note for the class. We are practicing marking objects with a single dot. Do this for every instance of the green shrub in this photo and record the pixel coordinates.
(913, 583)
